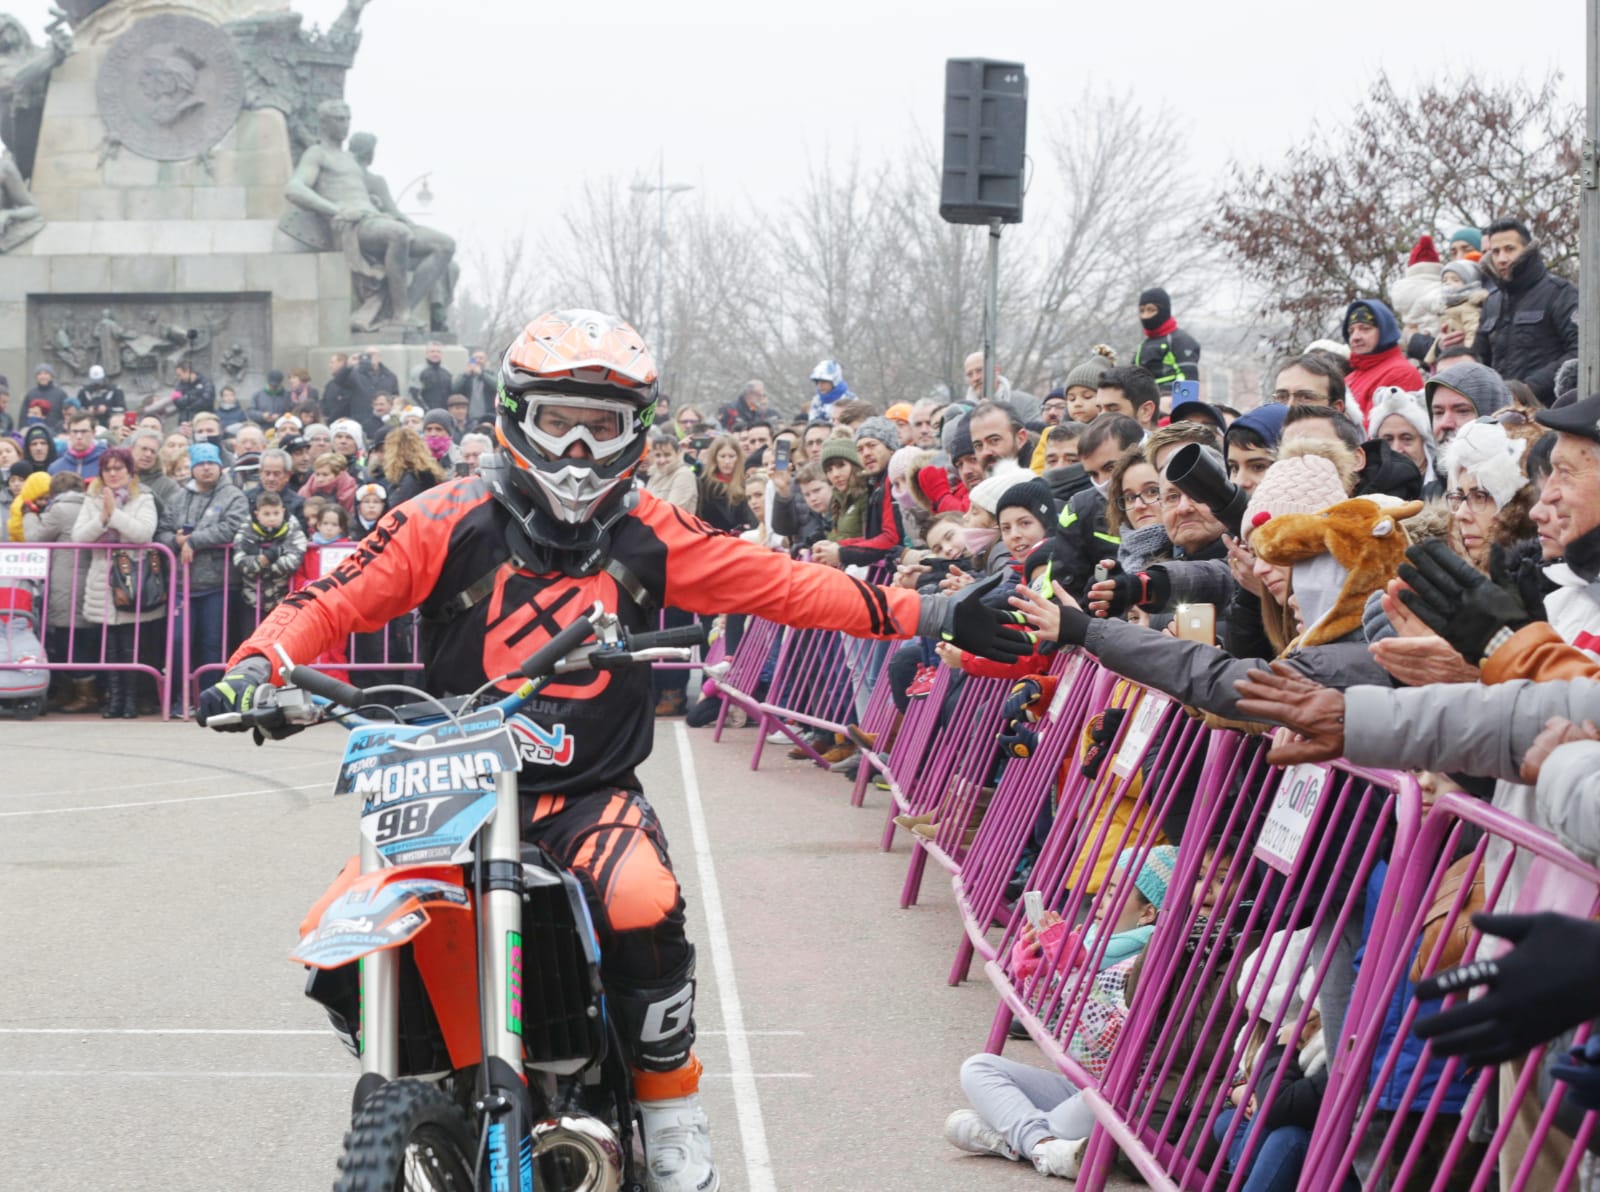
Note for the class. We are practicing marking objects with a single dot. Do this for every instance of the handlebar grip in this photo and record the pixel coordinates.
(326, 686)
(684, 637)
(543, 662)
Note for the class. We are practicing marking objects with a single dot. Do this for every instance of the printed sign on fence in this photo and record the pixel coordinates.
(23, 562)
(329, 558)
(1136, 740)
(1294, 807)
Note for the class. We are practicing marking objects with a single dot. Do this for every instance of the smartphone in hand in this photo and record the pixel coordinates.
(1198, 623)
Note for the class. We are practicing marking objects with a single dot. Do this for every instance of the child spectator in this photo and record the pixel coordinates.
(267, 550)
(330, 534)
(229, 412)
(1020, 1111)
(371, 502)
(331, 480)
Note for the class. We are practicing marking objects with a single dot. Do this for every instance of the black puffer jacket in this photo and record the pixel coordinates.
(1529, 326)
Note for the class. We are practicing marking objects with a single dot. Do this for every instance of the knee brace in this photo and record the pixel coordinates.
(656, 1019)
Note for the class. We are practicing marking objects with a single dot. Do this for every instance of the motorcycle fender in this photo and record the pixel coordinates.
(366, 913)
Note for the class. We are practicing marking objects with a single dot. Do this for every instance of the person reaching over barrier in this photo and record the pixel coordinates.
(1020, 1112)
(501, 563)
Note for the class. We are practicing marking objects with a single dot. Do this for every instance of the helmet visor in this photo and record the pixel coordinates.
(555, 422)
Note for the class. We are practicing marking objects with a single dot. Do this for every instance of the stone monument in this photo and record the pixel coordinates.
(176, 185)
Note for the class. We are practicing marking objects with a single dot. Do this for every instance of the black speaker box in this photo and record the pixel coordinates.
(985, 140)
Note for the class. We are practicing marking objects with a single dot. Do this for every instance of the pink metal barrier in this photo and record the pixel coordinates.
(1024, 789)
(1429, 1125)
(59, 575)
(235, 609)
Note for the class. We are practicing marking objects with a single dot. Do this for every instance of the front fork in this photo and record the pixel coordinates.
(505, 1107)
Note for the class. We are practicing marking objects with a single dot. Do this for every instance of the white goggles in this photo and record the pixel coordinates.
(554, 422)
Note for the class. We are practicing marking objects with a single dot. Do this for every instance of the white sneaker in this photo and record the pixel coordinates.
(1060, 1156)
(966, 1131)
(719, 670)
(777, 737)
(677, 1146)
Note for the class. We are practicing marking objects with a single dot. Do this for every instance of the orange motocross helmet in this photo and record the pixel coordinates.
(577, 396)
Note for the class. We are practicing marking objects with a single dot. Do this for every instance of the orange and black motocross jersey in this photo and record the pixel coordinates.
(585, 731)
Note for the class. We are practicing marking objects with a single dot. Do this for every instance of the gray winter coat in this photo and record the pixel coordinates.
(1486, 730)
(55, 525)
(1203, 676)
(216, 517)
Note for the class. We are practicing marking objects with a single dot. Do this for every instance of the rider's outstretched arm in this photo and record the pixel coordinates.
(392, 571)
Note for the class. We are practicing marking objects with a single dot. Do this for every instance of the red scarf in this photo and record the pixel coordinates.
(1166, 328)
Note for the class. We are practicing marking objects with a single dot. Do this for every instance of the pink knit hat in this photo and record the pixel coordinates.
(1299, 484)
(900, 462)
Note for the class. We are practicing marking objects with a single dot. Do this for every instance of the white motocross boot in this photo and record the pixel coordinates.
(677, 1145)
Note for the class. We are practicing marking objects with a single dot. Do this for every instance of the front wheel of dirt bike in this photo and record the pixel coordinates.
(408, 1136)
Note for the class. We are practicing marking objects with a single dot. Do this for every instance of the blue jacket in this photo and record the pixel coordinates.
(1390, 1096)
(88, 466)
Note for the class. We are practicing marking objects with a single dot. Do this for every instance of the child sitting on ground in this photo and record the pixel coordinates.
(1020, 1111)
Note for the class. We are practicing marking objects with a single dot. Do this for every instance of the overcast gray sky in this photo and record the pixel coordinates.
(511, 103)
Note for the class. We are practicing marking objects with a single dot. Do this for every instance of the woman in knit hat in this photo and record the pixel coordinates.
(1489, 494)
(847, 508)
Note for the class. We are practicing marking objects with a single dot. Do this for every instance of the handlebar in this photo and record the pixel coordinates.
(326, 686)
(685, 637)
(543, 663)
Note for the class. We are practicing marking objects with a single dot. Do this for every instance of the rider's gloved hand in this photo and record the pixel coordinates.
(235, 692)
(1547, 984)
(966, 622)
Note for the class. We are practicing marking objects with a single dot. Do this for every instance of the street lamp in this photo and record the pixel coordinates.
(663, 192)
(424, 196)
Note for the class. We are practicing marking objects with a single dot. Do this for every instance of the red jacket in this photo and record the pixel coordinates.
(944, 496)
(1368, 373)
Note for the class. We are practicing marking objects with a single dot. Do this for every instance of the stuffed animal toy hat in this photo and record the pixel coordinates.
(1362, 536)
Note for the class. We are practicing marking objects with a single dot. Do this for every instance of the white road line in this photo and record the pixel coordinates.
(196, 1030)
(133, 786)
(266, 790)
(746, 1099)
(352, 1076)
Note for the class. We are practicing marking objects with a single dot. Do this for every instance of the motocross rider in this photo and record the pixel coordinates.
(500, 562)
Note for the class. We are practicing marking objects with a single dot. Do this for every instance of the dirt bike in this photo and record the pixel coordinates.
(458, 964)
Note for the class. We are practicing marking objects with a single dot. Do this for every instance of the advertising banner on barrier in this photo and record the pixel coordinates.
(24, 562)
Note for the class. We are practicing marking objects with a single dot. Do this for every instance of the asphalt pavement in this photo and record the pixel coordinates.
(154, 1035)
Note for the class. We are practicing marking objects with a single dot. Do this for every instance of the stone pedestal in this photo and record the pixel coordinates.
(164, 244)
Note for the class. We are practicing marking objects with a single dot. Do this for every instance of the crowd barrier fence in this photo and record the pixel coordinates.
(1294, 912)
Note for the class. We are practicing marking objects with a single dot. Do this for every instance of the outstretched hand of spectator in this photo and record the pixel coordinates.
(1418, 661)
(1557, 731)
(1545, 985)
(1314, 714)
(1460, 604)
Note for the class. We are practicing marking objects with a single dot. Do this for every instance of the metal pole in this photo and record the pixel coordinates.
(991, 306)
(661, 251)
(1589, 215)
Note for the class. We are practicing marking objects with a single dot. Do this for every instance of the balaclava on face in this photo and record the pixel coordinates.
(1163, 305)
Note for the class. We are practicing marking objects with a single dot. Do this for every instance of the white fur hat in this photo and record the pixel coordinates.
(1391, 399)
(1485, 450)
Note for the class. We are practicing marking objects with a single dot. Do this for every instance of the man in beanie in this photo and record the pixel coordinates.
(103, 401)
(1373, 334)
(1167, 353)
(45, 389)
(876, 440)
(957, 440)
(1530, 320)
(270, 402)
(1465, 244)
(1457, 396)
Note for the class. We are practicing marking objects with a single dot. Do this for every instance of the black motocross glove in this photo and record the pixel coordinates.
(998, 634)
(1460, 604)
(234, 692)
(1547, 984)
